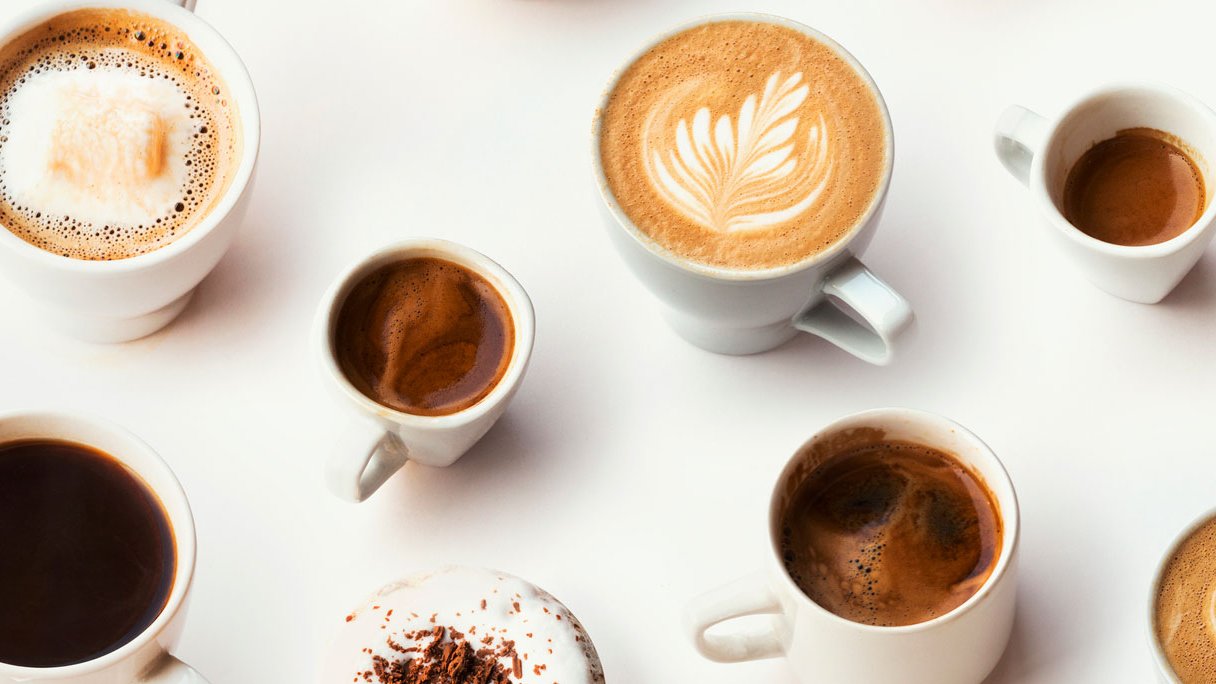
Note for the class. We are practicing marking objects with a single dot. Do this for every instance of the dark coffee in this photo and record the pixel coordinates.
(87, 556)
(1140, 187)
(890, 534)
(424, 336)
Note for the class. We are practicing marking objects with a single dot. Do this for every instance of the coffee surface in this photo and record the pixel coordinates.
(891, 534)
(1185, 611)
(424, 336)
(743, 145)
(88, 554)
(117, 136)
(1140, 187)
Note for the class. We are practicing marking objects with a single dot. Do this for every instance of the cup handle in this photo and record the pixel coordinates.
(1018, 137)
(750, 595)
(170, 670)
(364, 458)
(884, 311)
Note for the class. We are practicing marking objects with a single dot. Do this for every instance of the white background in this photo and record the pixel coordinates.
(632, 471)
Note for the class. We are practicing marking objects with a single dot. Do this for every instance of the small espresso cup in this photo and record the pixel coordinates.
(1041, 152)
(959, 647)
(146, 658)
(1165, 672)
(125, 299)
(380, 439)
(734, 311)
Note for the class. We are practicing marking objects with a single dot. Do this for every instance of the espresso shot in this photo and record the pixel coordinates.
(1141, 187)
(424, 336)
(890, 534)
(88, 554)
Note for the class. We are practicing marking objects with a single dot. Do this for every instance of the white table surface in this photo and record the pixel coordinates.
(632, 471)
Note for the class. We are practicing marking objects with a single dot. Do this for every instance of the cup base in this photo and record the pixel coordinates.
(731, 341)
(106, 330)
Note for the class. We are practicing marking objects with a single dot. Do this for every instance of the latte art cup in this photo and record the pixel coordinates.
(1040, 152)
(960, 647)
(736, 311)
(380, 439)
(145, 658)
(125, 299)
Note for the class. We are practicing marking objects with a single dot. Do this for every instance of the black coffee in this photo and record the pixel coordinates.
(87, 556)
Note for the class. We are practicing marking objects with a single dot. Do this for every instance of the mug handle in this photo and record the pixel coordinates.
(364, 458)
(884, 311)
(750, 595)
(1018, 137)
(170, 670)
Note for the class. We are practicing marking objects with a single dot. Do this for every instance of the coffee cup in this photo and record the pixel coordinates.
(381, 436)
(767, 288)
(145, 657)
(960, 646)
(1042, 152)
(1187, 603)
(130, 293)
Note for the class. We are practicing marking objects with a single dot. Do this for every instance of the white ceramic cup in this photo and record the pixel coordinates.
(1165, 672)
(1040, 152)
(380, 440)
(960, 647)
(733, 311)
(120, 300)
(145, 658)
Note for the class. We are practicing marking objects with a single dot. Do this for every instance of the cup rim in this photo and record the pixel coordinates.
(518, 303)
(1011, 520)
(734, 274)
(1038, 173)
(248, 114)
(169, 494)
(1163, 663)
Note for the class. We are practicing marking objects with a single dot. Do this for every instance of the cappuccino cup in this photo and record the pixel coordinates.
(119, 193)
(1043, 152)
(426, 341)
(742, 193)
(144, 656)
(959, 645)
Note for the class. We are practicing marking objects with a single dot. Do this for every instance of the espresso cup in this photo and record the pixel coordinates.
(380, 439)
(746, 311)
(125, 299)
(1040, 152)
(959, 647)
(1165, 671)
(146, 658)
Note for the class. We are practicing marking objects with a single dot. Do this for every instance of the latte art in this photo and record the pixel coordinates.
(743, 145)
(728, 178)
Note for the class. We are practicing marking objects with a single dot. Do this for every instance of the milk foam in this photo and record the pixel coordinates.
(102, 146)
(487, 607)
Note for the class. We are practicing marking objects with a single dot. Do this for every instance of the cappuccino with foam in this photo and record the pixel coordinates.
(744, 145)
(117, 136)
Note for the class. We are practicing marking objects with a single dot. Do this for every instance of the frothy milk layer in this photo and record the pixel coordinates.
(743, 145)
(1185, 620)
(890, 534)
(539, 640)
(116, 135)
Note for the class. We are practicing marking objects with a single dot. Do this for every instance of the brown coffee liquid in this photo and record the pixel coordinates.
(1137, 188)
(424, 336)
(891, 534)
(87, 555)
(1185, 610)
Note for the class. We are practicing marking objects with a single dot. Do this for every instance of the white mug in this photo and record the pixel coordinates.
(732, 311)
(1040, 152)
(379, 439)
(1165, 672)
(146, 658)
(960, 647)
(125, 299)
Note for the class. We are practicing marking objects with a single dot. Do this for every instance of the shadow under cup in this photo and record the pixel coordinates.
(879, 426)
